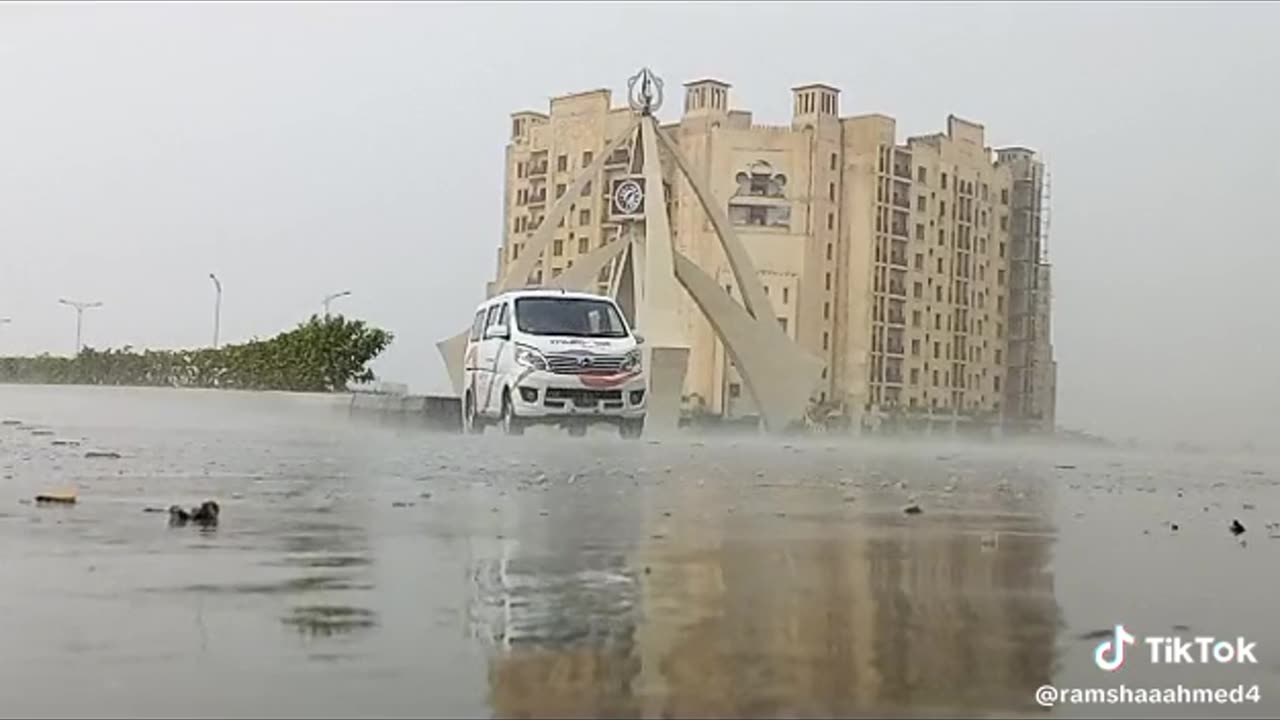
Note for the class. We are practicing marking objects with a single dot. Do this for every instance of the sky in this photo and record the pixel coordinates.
(302, 149)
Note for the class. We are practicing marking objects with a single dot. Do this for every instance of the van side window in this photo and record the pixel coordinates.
(502, 315)
(493, 316)
(477, 326)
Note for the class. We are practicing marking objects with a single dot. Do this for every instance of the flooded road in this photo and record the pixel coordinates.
(371, 571)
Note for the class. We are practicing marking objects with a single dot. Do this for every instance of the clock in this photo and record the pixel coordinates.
(628, 197)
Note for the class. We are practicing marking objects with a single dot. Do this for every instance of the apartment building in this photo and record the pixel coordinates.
(896, 262)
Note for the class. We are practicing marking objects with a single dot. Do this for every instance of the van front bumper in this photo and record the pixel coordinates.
(542, 394)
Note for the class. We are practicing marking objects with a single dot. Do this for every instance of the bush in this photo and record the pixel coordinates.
(320, 355)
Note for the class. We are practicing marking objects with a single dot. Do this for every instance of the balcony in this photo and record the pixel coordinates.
(902, 201)
(539, 168)
(902, 170)
(894, 348)
(897, 318)
(538, 198)
(621, 156)
(898, 289)
(899, 259)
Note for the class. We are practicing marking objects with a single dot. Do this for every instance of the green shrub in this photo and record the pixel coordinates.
(320, 355)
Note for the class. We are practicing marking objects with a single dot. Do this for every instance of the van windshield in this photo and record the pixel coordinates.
(577, 317)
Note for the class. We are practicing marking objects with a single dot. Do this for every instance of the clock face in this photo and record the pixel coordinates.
(628, 196)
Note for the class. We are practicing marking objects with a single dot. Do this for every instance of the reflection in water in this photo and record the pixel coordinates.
(329, 620)
(864, 616)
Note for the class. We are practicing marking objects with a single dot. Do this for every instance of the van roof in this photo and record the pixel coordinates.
(547, 292)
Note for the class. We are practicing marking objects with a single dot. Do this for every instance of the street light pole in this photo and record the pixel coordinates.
(330, 298)
(217, 308)
(80, 307)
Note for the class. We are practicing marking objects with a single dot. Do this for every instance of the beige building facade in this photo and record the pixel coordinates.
(895, 262)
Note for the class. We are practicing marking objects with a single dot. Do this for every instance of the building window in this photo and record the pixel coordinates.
(786, 294)
(1000, 277)
(584, 245)
(942, 208)
(555, 272)
(944, 181)
(915, 318)
(782, 323)
(835, 162)
(831, 191)
(559, 190)
(562, 164)
(937, 350)
(919, 231)
(604, 274)
(586, 189)
(831, 221)
(995, 383)
(915, 347)
(998, 358)
(584, 217)
(828, 281)
(1004, 222)
(557, 248)
(917, 290)
(940, 270)
(921, 174)
(1001, 249)
(1004, 196)
(586, 158)
(942, 237)
(826, 311)
(915, 379)
(922, 203)
(829, 251)
(935, 384)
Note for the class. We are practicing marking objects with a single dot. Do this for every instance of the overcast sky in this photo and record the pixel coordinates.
(297, 150)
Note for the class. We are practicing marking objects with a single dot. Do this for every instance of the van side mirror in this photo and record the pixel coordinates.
(639, 338)
(497, 331)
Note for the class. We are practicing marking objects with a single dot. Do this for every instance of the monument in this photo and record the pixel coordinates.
(648, 275)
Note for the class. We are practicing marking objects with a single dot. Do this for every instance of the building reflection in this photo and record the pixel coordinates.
(731, 617)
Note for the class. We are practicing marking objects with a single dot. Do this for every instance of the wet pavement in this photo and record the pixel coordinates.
(361, 570)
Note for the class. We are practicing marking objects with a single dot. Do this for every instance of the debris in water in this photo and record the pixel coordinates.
(425, 496)
(10, 422)
(1065, 467)
(103, 455)
(912, 510)
(205, 516)
(1247, 506)
(41, 433)
(66, 497)
(65, 442)
(1236, 527)
(850, 498)
(401, 504)
(1173, 527)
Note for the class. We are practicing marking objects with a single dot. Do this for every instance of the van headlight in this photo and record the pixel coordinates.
(631, 361)
(531, 358)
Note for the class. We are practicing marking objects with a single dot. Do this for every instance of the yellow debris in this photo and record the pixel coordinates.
(66, 497)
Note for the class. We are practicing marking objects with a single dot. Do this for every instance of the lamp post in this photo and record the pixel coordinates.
(330, 298)
(80, 307)
(217, 308)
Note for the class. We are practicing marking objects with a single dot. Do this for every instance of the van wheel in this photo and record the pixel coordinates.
(631, 429)
(511, 425)
(471, 424)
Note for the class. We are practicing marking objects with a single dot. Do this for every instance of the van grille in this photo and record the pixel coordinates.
(596, 364)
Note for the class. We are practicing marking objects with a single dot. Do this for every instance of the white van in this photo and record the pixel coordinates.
(552, 357)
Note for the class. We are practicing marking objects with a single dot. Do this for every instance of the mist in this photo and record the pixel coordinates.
(299, 150)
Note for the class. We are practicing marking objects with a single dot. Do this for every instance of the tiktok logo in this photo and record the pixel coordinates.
(1114, 647)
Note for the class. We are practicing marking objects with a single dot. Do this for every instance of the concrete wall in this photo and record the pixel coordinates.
(439, 412)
